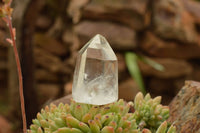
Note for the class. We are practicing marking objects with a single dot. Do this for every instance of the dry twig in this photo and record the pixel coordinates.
(5, 13)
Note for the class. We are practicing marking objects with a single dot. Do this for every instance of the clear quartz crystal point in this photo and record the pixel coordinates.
(96, 73)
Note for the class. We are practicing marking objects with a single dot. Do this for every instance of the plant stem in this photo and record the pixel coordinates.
(13, 38)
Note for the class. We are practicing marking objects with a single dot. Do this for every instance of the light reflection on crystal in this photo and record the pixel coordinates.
(96, 73)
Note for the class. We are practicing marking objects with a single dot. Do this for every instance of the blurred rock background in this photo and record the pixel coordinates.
(50, 33)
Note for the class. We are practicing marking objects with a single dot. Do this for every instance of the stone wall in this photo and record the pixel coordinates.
(163, 30)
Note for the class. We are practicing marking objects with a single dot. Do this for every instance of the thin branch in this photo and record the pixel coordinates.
(5, 13)
(13, 38)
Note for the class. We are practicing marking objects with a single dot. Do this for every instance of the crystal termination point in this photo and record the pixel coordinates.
(96, 73)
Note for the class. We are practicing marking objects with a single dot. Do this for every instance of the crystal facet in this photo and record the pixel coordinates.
(96, 73)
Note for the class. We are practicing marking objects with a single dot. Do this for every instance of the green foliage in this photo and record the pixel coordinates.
(152, 63)
(149, 117)
(149, 112)
(131, 61)
(132, 64)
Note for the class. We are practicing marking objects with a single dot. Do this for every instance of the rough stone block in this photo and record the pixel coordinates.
(185, 108)
(120, 37)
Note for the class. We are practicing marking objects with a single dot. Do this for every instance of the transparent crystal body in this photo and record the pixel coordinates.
(96, 73)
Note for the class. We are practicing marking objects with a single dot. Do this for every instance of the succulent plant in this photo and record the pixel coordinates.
(149, 112)
(148, 117)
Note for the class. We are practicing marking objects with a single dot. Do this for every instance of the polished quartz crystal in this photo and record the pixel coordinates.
(96, 73)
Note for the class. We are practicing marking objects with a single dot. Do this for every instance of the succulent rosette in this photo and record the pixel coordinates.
(149, 116)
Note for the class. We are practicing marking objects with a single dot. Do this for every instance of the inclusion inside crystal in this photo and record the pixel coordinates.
(96, 73)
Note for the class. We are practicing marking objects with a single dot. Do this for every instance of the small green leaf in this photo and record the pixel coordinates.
(108, 129)
(162, 128)
(73, 122)
(172, 129)
(152, 63)
(94, 126)
(84, 127)
(131, 61)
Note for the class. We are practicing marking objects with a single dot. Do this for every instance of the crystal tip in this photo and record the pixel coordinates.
(99, 37)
